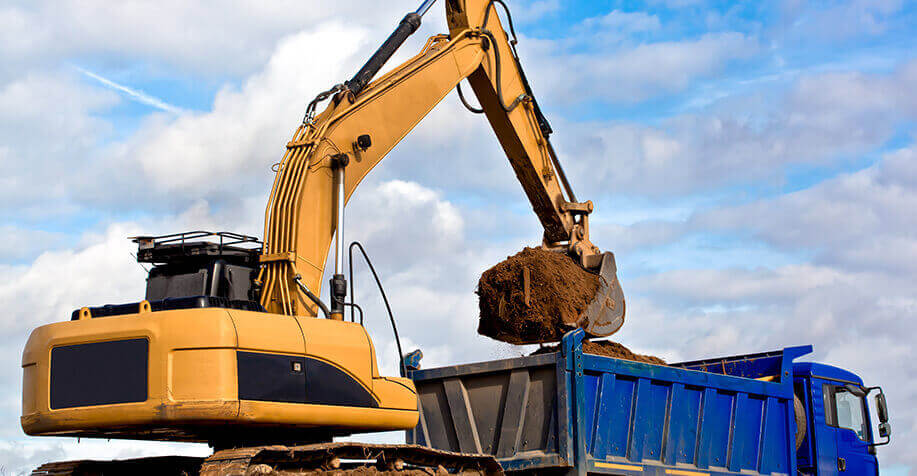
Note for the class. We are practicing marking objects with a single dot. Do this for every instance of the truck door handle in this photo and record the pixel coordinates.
(841, 464)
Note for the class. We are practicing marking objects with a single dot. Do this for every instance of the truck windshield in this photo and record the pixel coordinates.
(849, 410)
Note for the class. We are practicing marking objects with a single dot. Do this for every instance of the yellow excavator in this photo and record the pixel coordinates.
(229, 348)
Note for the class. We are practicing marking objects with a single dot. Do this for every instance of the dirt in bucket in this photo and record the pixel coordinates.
(535, 295)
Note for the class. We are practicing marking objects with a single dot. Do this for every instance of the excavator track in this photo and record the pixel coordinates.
(331, 458)
(159, 466)
(339, 459)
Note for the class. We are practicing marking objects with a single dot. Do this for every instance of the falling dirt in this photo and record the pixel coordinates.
(608, 348)
(559, 291)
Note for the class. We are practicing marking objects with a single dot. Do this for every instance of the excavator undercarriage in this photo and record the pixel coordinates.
(339, 459)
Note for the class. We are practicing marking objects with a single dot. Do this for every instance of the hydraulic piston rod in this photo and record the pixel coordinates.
(409, 24)
(338, 281)
(422, 9)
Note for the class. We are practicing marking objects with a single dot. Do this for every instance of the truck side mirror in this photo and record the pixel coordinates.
(881, 409)
(885, 430)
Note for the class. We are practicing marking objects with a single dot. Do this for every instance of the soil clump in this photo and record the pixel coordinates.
(558, 292)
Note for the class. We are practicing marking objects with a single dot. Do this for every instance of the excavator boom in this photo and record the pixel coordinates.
(332, 152)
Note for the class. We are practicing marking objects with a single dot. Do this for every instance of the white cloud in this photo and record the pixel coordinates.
(629, 21)
(635, 73)
(676, 3)
(58, 282)
(224, 154)
(639, 235)
(46, 120)
(858, 221)
(210, 37)
(228, 150)
(21, 243)
(532, 11)
(822, 119)
(836, 20)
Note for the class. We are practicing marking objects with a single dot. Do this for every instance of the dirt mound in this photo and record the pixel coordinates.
(618, 351)
(608, 348)
(558, 292)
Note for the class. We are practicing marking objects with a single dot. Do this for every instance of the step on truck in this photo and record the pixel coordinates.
(573, 413)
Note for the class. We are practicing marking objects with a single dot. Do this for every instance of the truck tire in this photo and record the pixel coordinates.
(800, 412)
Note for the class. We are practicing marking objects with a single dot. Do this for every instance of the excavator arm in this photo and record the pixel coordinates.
(331, 153)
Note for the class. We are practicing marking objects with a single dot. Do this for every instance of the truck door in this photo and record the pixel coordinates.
(847, 416)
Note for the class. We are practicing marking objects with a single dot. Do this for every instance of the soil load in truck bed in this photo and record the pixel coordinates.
(535, 295)
(613, 349)
(608, 348)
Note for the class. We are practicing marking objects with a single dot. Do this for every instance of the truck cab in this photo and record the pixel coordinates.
(839, 436)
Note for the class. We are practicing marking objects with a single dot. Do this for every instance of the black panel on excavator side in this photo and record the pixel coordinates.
(294, 379)
(99, 373)
(328, 385)
(271, 377)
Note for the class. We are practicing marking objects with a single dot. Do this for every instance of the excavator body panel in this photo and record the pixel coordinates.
(208, 375)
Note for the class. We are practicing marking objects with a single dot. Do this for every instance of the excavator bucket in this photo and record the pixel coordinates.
(537, 295)
(605, 314)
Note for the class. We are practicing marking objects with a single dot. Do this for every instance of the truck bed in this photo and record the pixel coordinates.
(581, 414)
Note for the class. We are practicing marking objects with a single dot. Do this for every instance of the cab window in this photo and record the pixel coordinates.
(845, 410)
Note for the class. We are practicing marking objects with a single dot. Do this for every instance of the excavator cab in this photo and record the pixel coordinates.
(200, 263)
(199, 360)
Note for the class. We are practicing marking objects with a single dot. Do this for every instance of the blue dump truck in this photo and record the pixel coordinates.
(572, 413)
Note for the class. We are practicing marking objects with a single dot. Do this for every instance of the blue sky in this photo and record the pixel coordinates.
(752, 164)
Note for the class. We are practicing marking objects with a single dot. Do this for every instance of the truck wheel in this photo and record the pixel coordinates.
(800, 411)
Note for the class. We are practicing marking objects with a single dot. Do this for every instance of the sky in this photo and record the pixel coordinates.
(753, 166)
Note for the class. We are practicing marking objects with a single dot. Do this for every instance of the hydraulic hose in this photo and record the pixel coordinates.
(356, 244)
(546, 129)
(318, 302)
(496, 50)
(476, 110)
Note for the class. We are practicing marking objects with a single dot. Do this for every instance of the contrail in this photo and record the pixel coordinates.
(134, 94)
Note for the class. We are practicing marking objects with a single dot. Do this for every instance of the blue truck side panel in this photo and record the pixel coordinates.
(612, 416)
